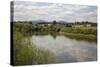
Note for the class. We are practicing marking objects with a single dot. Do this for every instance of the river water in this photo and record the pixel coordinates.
(67, 49)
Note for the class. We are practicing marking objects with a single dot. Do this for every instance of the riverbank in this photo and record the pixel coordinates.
(86, 37)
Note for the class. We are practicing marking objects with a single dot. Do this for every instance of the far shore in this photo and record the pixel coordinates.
(87, 37)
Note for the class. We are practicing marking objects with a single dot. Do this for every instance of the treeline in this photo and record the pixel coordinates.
(70, 24)
(84, 27)
(23, 28)
(31, 28)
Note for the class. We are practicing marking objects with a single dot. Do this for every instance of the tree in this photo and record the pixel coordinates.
(54, 22)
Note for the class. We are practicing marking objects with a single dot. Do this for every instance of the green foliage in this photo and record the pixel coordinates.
(80, 30)
(25, 28)
(31, 54)
(27, 54)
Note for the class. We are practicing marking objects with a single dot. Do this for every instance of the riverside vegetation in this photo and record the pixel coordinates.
(26, 54)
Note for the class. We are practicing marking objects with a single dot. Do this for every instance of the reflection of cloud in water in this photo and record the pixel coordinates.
(68, 50)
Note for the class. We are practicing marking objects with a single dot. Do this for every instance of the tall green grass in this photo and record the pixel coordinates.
(28, 54)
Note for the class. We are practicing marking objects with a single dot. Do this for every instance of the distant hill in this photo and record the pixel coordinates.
(47, 22)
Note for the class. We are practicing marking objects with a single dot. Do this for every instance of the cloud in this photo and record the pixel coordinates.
(51, 11)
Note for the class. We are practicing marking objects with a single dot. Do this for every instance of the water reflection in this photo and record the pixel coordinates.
(66, 49)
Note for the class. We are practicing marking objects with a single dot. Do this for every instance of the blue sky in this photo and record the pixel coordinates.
(27, 10)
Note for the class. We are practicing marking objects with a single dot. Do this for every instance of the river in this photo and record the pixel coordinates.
(67, 49)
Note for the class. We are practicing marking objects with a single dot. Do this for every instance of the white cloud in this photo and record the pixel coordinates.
(49, 12)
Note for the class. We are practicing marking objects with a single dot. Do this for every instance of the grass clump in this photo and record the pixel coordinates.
(31, 54)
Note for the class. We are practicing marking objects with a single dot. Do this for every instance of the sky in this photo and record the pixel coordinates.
(32, 11)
